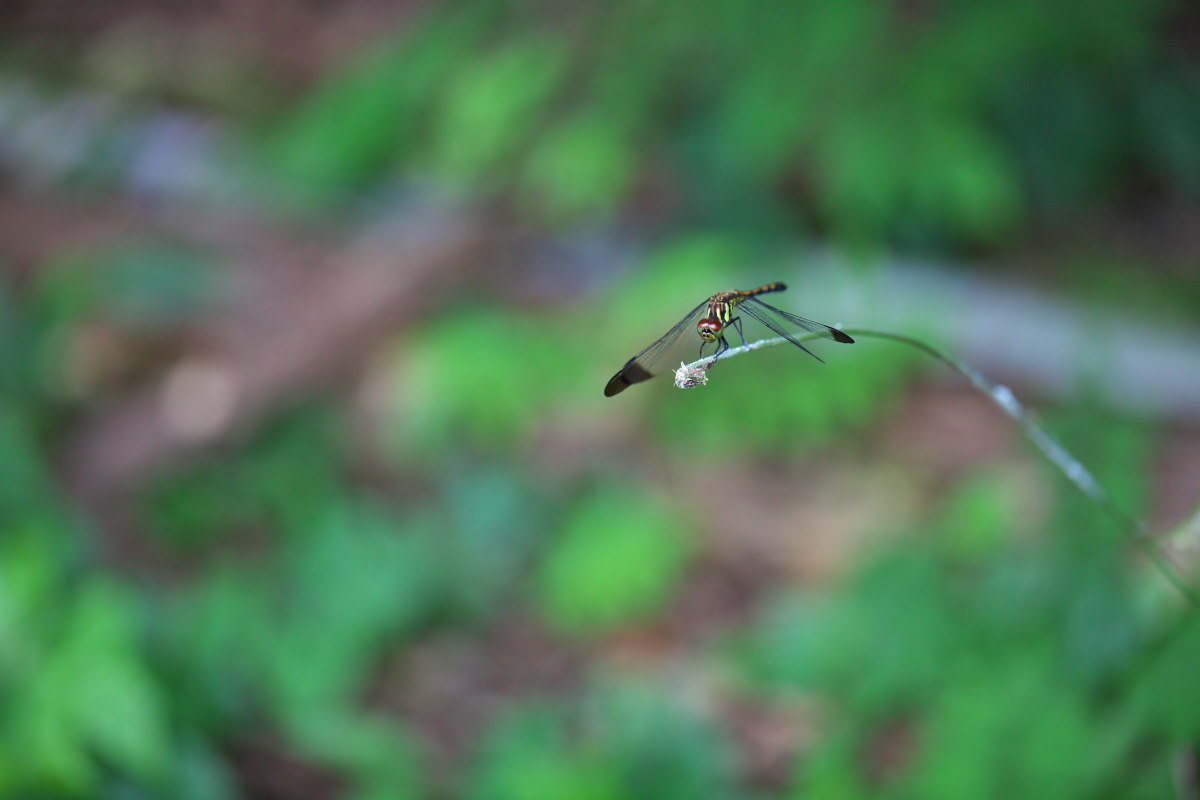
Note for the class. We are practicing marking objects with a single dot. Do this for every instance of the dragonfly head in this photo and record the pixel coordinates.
(709, 329)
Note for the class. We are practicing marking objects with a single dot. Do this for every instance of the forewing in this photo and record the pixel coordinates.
(774, 325)
(645, 364)
(819, 328)
(779, 321)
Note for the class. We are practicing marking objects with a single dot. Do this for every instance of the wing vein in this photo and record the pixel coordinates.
(766, 319)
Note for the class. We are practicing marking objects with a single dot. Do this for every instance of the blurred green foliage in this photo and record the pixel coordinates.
(628, 743)
(1013, 670)
(1036, 665)
(951, 122)
(973, 655)
(617, 560)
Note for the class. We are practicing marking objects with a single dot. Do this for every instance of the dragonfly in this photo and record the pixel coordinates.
(712, 318)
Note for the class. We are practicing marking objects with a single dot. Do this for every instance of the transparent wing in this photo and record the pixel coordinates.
(779, 320)
(819, 328)
(643, 366)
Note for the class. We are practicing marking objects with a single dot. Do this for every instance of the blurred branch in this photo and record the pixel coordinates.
(1059, 343)
(314, 329)
(1182, 543)
(1183, 763)
(691, 375)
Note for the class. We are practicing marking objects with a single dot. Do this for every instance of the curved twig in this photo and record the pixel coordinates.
(695, 374)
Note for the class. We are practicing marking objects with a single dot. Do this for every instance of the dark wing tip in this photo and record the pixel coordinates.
(838, 336)
(630, 374)
(616, 385)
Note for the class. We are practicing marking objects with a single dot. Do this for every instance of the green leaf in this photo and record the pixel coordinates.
(30, 599)
(203, 769)
(377, 756)
(354, 578)
(369, 113)
(963, 182)
(462, 380)
(216, 633)
(795, 642)
(44, 740)
(92, 699)
(1167, 694)
(524, 756)
(899, 621)
(644, 734)
(581, 167)
(119, 706)
(617, 560)
(495, 522)
(149, 281)
(494, 103)
(978, 519)
(979, 740)
(832, 771)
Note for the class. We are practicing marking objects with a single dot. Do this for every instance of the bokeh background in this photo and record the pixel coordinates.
(308, 489)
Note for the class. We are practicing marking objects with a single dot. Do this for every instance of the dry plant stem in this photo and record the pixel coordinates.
(1051, 448)
(1187, 781)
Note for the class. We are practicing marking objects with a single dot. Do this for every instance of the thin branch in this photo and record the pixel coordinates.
(1002, 396)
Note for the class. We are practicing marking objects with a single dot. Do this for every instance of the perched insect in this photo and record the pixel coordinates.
(715, 315)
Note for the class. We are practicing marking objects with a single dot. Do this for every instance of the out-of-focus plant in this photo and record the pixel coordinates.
(623, 741)
(617, 559)
(962, 662)
(948, 123)
(992, 665)
(79, 691)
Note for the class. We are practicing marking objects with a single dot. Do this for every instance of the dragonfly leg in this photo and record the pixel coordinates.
(737, 324)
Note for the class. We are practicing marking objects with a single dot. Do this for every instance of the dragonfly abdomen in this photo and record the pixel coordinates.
(770, 287)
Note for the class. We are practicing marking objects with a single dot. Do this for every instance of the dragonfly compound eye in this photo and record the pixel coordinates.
(708, 329)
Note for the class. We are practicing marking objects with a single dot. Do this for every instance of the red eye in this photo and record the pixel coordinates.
(709, 326)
